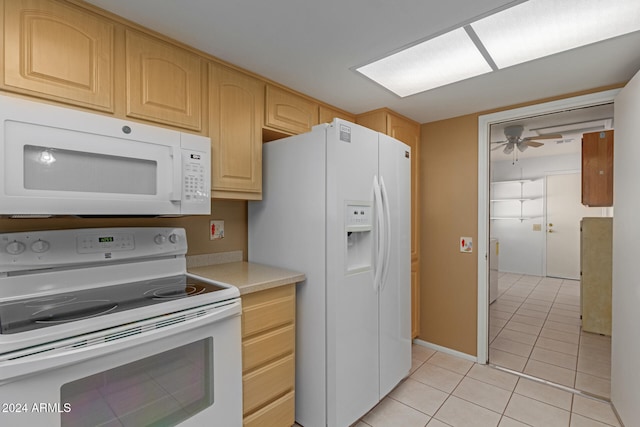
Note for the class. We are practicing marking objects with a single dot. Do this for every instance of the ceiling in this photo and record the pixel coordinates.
(570, 124)
(313, 47)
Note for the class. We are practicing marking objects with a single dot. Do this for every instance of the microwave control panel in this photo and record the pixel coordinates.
(194, 179)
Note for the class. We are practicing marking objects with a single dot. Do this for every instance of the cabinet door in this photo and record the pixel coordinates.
(163, 82)
(58, 52)
(236, 105)
(289, 112)
(326, 115)
(597, 169)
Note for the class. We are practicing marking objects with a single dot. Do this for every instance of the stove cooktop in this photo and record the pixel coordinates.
(36, 313)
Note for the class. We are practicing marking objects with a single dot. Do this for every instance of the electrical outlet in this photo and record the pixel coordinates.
(216, 230)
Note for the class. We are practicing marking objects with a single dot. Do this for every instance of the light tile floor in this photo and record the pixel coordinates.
(534, 328)
(447, 391)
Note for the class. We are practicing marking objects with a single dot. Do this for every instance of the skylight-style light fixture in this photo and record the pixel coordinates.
(539, 28)
(445, 59)
(522, 33)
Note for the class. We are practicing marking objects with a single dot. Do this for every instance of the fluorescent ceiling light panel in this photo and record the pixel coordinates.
(538, 28)
(445, 59)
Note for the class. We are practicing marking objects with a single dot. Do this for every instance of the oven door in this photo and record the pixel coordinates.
(179, 369)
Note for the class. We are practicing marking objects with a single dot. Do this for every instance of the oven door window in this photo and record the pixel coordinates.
(161, 390)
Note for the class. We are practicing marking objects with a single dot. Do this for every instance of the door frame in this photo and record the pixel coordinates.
(484, 129)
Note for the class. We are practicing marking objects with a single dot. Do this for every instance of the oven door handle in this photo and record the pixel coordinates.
(99, 344)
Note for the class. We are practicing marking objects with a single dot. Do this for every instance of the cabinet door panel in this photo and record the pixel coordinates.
(326, 115)
(58, 52)
(597, 169)
(288, 112)
(236, 106)
(163, 82)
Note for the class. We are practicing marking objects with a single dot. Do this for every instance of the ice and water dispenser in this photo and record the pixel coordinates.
(359, 230)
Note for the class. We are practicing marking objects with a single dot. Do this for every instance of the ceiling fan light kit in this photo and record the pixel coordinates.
(498, 41)
(513, 135)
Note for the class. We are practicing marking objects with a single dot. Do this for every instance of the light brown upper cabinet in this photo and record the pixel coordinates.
(163, 82)
(597, 169)
(326, 115)
(60, 52)
(236, 104)
(407, 131)
(287, 112)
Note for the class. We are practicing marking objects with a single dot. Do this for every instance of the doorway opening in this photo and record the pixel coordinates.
(533, 324)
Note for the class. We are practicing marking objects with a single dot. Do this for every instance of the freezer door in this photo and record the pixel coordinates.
(395, 292)
(352, 301)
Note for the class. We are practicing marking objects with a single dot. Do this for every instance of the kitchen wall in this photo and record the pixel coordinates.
(234, 214)
(449, 203)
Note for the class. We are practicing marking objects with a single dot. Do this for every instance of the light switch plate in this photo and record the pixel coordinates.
(466, 244)
(216, 230)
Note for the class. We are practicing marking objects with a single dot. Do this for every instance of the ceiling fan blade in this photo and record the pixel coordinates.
(534, 144)
(498, 146)
(549, 136)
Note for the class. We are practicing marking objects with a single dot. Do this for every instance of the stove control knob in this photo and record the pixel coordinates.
(173, 238)
(40, 246)
(160, 239)
(15, 247)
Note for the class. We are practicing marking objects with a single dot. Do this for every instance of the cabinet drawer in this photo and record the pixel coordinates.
(260, 386)
(267, 310)
(263, 348)
(277, 414)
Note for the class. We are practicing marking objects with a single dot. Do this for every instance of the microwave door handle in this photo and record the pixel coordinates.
(176, 184)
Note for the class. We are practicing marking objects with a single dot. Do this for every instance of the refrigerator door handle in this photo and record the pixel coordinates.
(380, 242)
(386, 233)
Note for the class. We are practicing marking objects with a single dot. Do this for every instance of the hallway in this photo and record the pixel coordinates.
(534, 328)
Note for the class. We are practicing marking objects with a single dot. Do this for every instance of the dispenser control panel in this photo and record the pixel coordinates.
(359, 217)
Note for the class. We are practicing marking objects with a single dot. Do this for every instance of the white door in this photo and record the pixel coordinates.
(564, 212)
(395, 292)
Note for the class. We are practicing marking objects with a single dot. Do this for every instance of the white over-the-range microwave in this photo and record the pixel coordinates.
(62, 161)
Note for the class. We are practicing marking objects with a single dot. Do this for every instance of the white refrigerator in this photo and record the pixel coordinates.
(336, 206)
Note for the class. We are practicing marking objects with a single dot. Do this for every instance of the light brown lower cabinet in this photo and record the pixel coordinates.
(596, 248)
(268, 357)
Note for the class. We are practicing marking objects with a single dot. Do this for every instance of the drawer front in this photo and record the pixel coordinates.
(277, 414)
(264, 348)
(267, 310)
(260, 386)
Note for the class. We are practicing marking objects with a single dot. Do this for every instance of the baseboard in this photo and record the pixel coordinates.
(446, 350)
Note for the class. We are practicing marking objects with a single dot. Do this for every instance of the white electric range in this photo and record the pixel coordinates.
(106, 327)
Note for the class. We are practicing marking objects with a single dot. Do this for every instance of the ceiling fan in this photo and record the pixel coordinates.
(514, 139)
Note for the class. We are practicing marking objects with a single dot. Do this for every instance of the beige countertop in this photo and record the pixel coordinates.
(248, 277)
